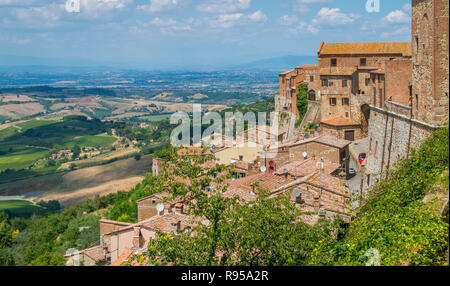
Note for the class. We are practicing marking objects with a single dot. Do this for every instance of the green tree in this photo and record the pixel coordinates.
(302, 101)
(48, 259)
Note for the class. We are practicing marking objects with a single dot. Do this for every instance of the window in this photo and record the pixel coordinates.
(344, 83)
(330, 83)
(346, 114)
(363, 62)
(370, 145)
(380, 101)
(345, 101)
(333, 62)
(324, 82)
(417, 101)
(332, 100)
(367, 81)
(241, 158)
(311, 78)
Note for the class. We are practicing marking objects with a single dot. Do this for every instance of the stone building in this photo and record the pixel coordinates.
(286, 100)
(351, 75)
(416, 106)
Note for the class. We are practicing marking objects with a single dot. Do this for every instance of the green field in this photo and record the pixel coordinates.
(20, 208)
(156, 118)
(21, 157)
(7, 132)
(35, 123)
(90, 141)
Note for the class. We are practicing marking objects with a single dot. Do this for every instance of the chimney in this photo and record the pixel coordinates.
(316, 203)
(137, 237)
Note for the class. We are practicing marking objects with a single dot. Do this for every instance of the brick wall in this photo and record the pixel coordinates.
(398, 76)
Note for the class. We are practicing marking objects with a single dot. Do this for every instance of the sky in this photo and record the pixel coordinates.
(187, 32)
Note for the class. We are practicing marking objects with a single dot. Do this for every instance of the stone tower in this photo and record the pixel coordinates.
(430, 39)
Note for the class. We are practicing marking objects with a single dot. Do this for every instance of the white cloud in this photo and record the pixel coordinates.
(287, 20)
(402, 31)
(224, 6)
(258, 16)
(227, 20)
(160, 5)
(302, 5)
(100, 8)
(398, 16)
(40, 16)
(333, 16)
(168, 25)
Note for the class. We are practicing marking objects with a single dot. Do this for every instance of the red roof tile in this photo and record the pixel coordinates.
(403, 48)
(340, 121)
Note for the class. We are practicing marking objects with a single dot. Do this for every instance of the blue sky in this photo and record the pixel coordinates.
(188, 32)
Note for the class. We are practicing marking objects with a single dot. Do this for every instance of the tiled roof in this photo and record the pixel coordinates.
(332, 141)
(127, 254)
(307, 67)
(340, 121)
(306, 167)
(95, 253)
(167, 223)
(403, 48)
(265, 181)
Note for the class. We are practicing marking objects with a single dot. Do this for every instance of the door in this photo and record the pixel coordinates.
(349, 135)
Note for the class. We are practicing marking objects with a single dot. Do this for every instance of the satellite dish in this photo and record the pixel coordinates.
(263, 169)
(297, 193)
(285, 171)
(305, 155)
(159, 207)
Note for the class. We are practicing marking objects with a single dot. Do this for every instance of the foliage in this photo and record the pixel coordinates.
(302, 101)
(395, 220)
(48, 259)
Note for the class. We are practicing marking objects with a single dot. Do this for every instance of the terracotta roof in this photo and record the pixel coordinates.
(127, 254)
(96, 253)
(403, 48)
(265, 181)
(285, 73)
(322, 139)
(340, 121)
(307, 67)
(306, 167)
(167, 223)
(337, 71)
(332, 141)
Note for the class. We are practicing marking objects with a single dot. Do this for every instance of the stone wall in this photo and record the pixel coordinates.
(391, 136)
(430, 35)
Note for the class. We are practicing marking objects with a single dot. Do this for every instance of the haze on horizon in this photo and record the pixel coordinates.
(181, 33)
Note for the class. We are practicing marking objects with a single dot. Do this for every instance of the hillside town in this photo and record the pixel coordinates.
(370, 102)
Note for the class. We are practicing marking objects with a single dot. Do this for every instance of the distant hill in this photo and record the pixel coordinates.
(278, 64)
(32, 64)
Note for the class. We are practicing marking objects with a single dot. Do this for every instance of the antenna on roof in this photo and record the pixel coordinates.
(296, 193)
(263, 169)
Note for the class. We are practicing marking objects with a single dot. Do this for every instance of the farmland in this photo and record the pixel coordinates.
(20, 208)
